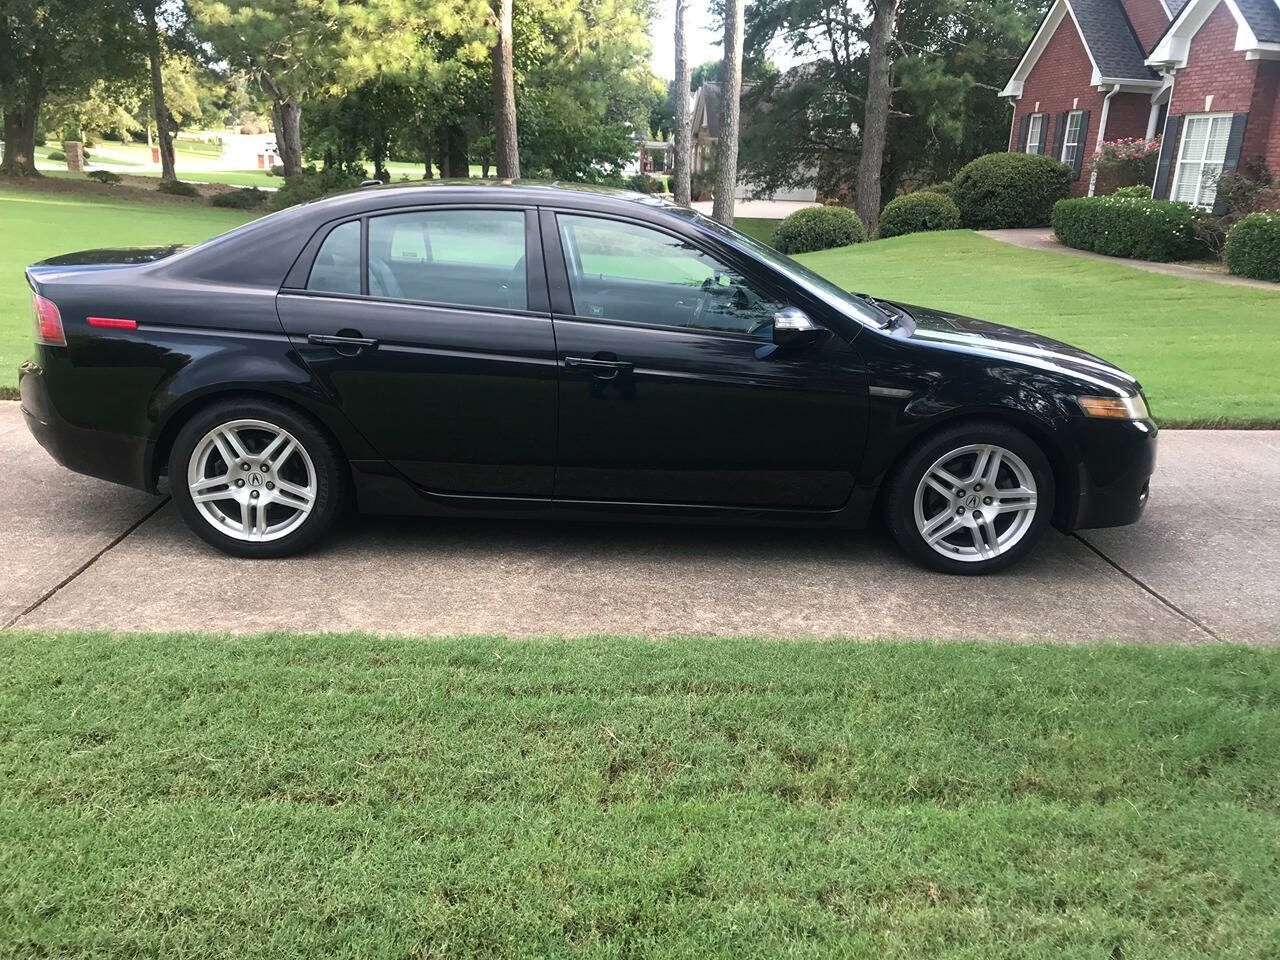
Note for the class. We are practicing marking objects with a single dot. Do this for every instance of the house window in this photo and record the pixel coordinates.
(1200, 157)
(1034, 130)
(1073, 140)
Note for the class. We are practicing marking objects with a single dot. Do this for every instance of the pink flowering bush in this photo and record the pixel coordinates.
(1125, 163)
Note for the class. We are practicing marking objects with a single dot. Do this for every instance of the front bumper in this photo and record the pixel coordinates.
(1117, 460)
(97, 453)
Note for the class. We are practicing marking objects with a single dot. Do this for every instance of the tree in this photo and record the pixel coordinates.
(506, 146)
(165, 126)
(680, 93)
(730, 109)
(876, 113)
(52, 48)
(947, 60)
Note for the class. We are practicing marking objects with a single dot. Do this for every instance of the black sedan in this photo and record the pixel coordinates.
(521, 350)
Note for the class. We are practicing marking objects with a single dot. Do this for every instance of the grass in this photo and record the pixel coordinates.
(34, 225)
(1206, 353)
(286, 796)
(760, 228)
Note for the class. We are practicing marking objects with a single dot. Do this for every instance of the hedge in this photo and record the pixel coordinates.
(818, 228)
(178, 188)
(1009, 190)
(1253, 247)
(1133, 227)
(242, 198)
(917, 213)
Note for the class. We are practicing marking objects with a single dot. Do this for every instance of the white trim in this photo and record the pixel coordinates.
(1037, 46)
(1175, 45)
(1102, 134)
(1040, 133)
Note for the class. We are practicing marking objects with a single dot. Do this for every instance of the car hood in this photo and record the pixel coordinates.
(950, 330)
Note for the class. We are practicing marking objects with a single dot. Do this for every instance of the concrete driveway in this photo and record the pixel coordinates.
(1203, 566)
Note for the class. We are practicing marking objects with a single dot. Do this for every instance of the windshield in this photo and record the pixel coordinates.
(851, 304)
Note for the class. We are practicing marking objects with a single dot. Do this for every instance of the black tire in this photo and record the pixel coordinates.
(325, 460)
(900, 496)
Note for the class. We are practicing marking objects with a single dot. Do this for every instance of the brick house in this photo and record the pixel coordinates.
(1204, 75)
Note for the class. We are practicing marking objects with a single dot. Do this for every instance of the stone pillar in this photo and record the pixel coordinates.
(74, 150)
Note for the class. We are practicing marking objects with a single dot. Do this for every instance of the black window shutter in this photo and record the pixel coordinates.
(1082, 138)
(1231, 162)
(1044, 133)
(1168, 150)
(1059, 134)
(1023, 127)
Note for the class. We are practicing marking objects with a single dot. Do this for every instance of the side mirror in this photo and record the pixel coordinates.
(793, 327)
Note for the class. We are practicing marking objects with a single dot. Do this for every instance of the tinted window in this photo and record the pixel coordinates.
(337, 265)
(469, 257)
(623, 271)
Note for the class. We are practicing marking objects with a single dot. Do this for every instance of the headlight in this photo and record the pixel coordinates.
(1115, 408)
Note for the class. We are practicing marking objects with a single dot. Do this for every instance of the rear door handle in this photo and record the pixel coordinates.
(332, 340)
(604, 369)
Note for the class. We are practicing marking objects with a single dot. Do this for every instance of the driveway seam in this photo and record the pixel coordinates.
(48, 594)
(1159, 597)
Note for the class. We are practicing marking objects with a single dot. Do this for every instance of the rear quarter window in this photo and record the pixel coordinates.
(337, 265)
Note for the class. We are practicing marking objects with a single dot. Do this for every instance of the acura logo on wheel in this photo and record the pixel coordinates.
(255, 480)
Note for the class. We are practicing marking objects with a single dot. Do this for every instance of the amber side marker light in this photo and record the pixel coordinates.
(1115, 408)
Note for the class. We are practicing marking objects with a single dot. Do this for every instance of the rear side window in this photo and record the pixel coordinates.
(472, 258)
(337, 265)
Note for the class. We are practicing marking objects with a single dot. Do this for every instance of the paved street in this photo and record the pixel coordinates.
(1202, 567)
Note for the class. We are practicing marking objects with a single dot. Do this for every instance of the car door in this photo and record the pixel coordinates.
(672, 390)
(431, 327)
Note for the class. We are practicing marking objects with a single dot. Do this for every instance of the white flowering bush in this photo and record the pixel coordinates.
(1134, 227)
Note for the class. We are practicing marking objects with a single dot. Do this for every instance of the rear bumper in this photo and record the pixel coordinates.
(97, 453)
(1119, 458)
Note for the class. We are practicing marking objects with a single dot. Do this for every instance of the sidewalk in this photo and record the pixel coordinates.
(1041, 238)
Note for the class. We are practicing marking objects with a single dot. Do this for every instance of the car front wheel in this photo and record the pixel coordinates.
(255, 478)
(971, 499)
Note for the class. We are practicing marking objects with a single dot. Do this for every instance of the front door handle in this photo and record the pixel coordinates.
(331, 340)
(602, 369)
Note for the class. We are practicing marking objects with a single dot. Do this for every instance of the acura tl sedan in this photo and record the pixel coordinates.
(523, 350)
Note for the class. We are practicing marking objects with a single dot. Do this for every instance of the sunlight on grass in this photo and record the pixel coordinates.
(284, 796)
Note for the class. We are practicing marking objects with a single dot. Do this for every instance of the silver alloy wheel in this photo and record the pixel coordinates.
(975, 503)
(252, 480)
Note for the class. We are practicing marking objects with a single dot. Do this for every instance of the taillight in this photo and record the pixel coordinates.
(48, 322)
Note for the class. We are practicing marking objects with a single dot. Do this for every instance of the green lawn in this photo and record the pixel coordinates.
(1206, 352)
(288, 796)
(34, 226)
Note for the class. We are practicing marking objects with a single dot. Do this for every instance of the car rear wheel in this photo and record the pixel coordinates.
(972, 499)
(255, 478)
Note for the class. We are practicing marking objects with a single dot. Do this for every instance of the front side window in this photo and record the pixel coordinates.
(623, 271)
(1034, 130)
(1071, 140)
(337, 266)
(471, 258)
(1200, 157)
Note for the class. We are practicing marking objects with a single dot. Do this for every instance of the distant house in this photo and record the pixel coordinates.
(1202, 74)
(705, 123)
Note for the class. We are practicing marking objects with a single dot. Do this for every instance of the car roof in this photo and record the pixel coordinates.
(550, 192)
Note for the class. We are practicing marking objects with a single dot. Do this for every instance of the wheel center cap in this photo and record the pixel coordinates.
(255, 479)
(972, 501)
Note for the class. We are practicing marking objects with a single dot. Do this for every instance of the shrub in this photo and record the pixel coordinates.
(312, 185)
(943, 188)
(275, 170)
(1133, 227)
(1009, 190)
(242, 198)
(918, 212)
(699, 187)
(818, 228)
(1253, 247)
(644, 183)
(104, 176)
(1124, 163)
(178, 188)
(57, 155)
(1137, 190)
